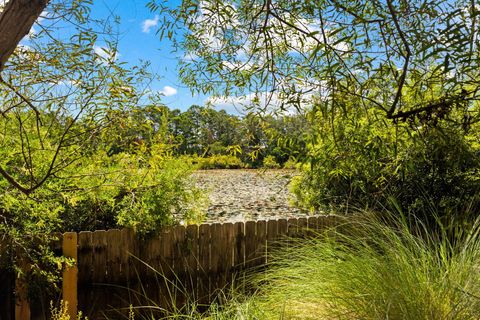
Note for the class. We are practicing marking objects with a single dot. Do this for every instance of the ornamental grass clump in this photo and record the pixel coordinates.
(369, 266)
(376, 268)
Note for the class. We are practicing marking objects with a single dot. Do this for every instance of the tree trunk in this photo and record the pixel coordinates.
(16, 20)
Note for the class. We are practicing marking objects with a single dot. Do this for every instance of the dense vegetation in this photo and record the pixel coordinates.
(212, 139)
(369, 270)
(391, 92)
(386, 103)
(426, 168)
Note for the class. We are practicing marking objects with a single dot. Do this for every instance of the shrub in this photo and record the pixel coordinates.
(270, 162)
(291, 163)
(368, 163)
(128, 190)
(219, 162)
(170, 195)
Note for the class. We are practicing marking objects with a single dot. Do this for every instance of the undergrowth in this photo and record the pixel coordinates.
(369, 268)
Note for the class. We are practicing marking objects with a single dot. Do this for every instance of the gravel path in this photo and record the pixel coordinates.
(238, 195)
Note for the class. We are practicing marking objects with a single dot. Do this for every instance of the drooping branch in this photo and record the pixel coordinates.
(441, 106)
(406, 55)
(16, 20)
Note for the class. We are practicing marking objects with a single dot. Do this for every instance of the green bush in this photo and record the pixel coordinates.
(366, 163)
(128, 190)
(269, 162)
(218, 162)
(171, 195)
(291, 163)
(142, 191)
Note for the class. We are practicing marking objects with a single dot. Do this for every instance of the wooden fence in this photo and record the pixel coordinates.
(116, 268)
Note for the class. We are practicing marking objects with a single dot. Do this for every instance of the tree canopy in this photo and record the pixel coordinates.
(389, 53)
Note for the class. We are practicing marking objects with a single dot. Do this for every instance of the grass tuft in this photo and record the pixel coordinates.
(370, 269)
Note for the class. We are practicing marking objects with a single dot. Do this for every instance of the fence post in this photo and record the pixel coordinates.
(70, 274)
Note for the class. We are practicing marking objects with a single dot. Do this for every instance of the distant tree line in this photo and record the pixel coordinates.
(205, 132)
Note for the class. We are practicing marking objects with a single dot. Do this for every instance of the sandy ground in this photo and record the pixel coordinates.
(237, 195)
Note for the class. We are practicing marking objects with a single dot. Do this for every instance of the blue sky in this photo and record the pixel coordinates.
(138, 40)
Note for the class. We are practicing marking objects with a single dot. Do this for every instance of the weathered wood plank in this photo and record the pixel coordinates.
(85, 257)
(261, 243)
(70, 274)
(226, 263)
(250, 243)
(204, 252)
(217, 251)
(282, 228)
(113, 256)
(192, 263)
(239, 251)
(272, 237)
(99, 245)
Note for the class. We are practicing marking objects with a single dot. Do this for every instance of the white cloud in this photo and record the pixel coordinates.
(294, 96)
(168, 91)
(149, 24)
(263, 101)
(105, 54)
(188, 57)
(27, 53)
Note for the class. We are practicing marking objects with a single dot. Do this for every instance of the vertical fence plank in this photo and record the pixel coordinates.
(239, 251)
(85, 257)
(99, 275)
(126, 249)
(302, 227)
(166, 276)
(191, 244)
(239, 254)
(167, 259)
(180, 251)
(217, 248)
(179, 291)
(282, 228)
(272, 237)
(292, 228)
(85, 252)
(69, 285)
(132, 250)
(261, 245)
(113, 273)
(99, 244)
(22, 305)
(250, 243)
(313, 225)
(148, 251)
(228, 254)
(204, 263)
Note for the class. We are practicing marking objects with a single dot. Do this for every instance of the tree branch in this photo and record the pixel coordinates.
(407, 55)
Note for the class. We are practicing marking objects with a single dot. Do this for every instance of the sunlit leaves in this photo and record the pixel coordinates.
(242, 47)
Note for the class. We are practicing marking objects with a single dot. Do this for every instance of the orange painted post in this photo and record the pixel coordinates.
(70, 274)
